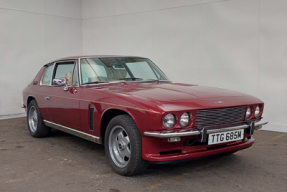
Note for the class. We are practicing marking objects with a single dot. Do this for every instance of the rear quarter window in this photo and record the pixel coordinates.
(47, 75)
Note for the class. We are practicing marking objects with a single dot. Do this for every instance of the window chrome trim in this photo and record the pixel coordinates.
(79, 71)
(53, 72)
(41, 85)
(51, 82)
(75, 132)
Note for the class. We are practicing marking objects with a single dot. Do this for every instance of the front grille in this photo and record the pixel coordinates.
(222, 116)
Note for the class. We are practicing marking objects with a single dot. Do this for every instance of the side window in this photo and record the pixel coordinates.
(47, 75)
(65, 70)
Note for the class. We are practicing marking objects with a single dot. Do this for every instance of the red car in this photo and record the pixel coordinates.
(129, 105)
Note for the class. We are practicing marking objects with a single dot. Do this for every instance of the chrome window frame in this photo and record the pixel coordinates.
(53, 72)
(46, 85)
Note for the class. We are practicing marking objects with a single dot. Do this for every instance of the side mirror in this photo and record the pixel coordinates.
(61, 82)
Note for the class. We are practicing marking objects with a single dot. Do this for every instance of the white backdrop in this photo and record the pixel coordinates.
(234, 44)
(32, 33)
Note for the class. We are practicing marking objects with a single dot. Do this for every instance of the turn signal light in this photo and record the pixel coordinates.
(173, 139)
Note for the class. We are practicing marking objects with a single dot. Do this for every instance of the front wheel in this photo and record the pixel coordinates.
(123, 146)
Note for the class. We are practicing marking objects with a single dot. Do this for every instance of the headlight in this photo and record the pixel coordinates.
(257, 111)
(169, 121)
(248, 113)
(184, 120)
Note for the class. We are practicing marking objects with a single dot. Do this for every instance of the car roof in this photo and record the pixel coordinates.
(91, 56)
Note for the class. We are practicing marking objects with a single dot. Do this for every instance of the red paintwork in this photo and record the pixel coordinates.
(145, 102)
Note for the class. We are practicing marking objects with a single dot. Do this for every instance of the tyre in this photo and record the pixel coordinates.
(123, 146)
(35, 122)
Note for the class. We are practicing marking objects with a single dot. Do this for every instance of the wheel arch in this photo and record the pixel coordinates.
(107, 116)
(29, 99)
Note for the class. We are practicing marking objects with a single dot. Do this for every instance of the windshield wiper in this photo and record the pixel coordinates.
(95, 82)
(132, 78)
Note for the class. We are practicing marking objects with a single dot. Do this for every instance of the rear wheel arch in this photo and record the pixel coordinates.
(35, 123)
(29, 99)
(108, 116)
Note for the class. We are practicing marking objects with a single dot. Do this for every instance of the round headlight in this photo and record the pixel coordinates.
(257, 111)
(169, 121)
(248, 113)
(184, 120)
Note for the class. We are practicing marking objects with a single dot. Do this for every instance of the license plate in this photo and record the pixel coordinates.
(223, 137)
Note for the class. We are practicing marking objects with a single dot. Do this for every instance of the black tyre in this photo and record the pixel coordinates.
(35, 122)
(123, 146)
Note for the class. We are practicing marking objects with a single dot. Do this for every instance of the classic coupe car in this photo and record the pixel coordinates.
(129, 105)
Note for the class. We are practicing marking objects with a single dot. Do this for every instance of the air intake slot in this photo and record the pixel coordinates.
(170, 152)
(91, 117)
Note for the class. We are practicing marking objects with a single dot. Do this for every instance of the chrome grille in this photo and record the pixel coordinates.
(222, 116)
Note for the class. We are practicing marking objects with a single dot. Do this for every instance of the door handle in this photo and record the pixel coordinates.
(47, 98)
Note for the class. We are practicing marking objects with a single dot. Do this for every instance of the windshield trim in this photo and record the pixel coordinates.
(123, 81)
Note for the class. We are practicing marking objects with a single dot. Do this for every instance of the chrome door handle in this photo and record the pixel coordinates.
(47, 98)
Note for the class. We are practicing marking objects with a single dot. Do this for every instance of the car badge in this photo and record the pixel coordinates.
(218, 102)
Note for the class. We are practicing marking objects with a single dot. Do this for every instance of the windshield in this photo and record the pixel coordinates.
(99, 70)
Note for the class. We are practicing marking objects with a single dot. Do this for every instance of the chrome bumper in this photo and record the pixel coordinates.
(250, 125)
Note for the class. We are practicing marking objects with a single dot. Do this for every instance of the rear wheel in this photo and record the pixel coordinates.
(123, 146)
(35, 122)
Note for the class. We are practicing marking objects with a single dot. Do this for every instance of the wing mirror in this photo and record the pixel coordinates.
(61, 82)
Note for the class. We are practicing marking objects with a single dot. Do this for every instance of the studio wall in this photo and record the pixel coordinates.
(233, 44)
(32, 33)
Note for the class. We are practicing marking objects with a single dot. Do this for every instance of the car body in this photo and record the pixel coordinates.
(150, 118)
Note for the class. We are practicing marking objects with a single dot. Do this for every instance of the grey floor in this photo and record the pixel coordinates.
(63, 162)
(2, 117)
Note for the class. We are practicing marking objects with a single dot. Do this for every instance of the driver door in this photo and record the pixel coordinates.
(63, 106)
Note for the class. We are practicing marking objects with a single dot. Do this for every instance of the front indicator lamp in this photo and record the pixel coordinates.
(173, 139)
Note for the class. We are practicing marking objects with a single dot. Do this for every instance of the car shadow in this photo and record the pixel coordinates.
(84, 144)
(177, 167)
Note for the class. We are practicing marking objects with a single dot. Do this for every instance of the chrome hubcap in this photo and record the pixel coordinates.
(33, 119)
(119, 146)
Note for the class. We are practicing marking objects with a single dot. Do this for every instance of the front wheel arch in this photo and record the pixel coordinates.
(107, 117)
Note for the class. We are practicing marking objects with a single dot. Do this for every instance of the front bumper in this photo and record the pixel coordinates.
(204, 152)
(155, 144)
(251, 125)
